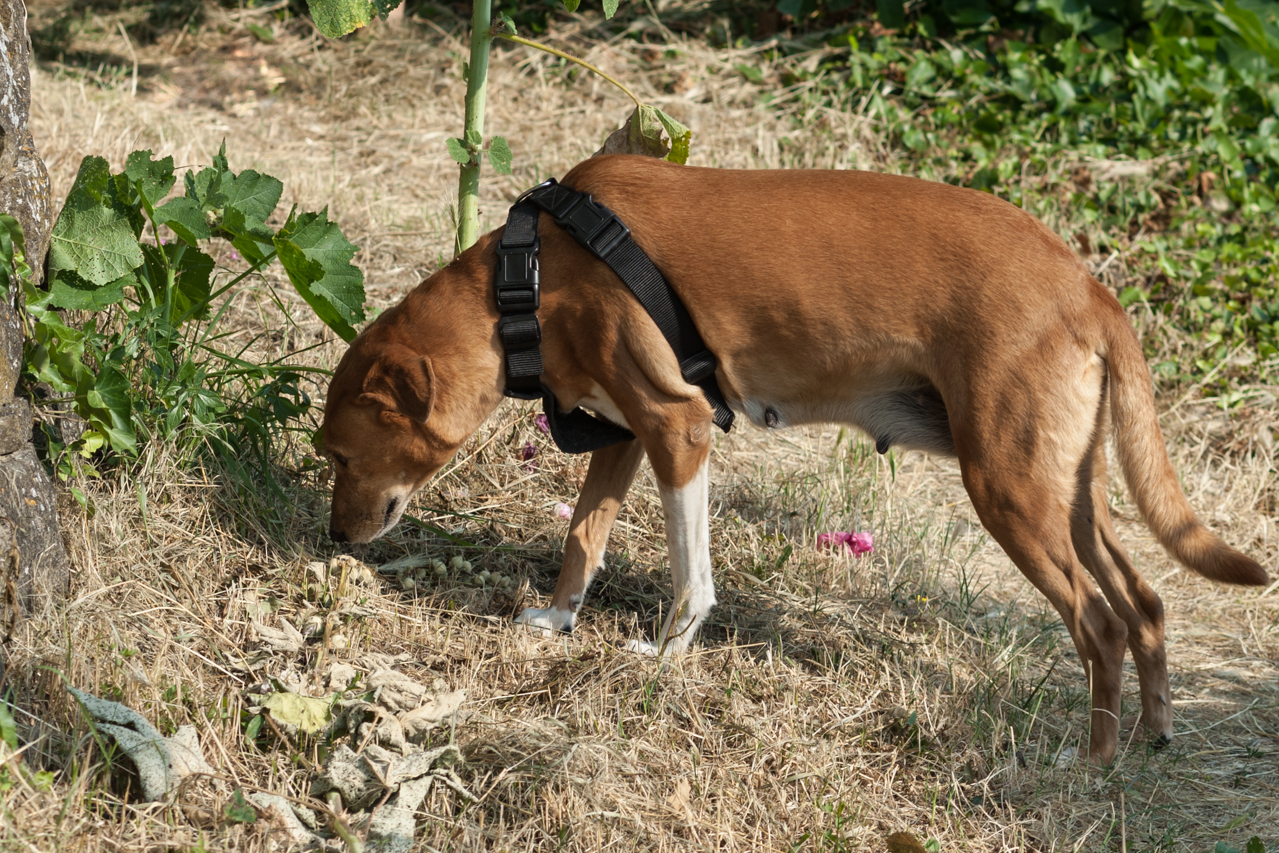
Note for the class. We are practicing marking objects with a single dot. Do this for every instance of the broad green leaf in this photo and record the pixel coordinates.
(572, 5)
(336, 18)
(505, 24)
(1255, 845)
(69, 290)
(385, 7)
(205, 189)
(473, 137)
(194, 269)
(681, 137)
(111, 402)
(317, 257)
(91, 183)
(251, 239)
(500, 155)
(185, 218)
(457, 150)
(97, 243)
(610, 8)
(254, 195)
(152, 179)
(302, 713)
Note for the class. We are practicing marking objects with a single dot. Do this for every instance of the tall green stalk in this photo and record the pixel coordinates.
(468, 185)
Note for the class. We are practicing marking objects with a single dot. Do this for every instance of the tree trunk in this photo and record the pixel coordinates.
(33, 559)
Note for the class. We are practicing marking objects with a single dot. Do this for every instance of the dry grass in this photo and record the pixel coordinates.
(829, 702)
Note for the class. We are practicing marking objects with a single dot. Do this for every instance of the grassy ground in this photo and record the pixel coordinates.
(830, 702)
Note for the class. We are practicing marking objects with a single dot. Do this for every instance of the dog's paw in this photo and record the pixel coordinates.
(643, 647)
(546, 621)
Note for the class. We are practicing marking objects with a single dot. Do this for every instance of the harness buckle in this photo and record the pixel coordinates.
(594, 225)
(518, 279)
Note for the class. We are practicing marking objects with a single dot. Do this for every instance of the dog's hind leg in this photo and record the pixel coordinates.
(1032, 524)
(1128, 593)
(608, 478)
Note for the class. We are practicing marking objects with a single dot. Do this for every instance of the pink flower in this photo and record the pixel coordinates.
(855, 543)
(528, 456)
(542, 424)
(564, 510)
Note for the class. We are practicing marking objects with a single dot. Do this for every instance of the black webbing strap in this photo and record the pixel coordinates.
(600, 232)
(518, 290)
(518, 296)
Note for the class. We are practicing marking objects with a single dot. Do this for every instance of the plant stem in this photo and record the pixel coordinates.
(468, 185)
(582, 62)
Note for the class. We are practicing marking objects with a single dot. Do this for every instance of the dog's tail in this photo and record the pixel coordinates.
(1150, 476)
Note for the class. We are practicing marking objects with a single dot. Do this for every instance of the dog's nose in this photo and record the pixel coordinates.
(336, 535)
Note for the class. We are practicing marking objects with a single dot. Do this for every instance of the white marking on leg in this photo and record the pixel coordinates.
(688, 544)
(548, 620)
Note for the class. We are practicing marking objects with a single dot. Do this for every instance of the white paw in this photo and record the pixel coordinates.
(643, 647)
(1065, 758)
(546, 621)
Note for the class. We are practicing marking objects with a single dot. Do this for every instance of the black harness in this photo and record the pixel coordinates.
(598, 230)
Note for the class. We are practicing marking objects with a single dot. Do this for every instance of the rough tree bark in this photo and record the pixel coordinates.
(32, 554)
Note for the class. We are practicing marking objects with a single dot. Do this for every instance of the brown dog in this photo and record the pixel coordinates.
(932, 317)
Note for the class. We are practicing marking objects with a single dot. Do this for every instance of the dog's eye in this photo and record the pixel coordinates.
(338, 458)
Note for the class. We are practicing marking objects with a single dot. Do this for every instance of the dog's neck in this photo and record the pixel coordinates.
(452, 320)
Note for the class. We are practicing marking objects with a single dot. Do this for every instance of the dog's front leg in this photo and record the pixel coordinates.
(684, 485)
(607, 480)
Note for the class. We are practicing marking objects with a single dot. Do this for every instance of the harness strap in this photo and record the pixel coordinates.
(598, 230)
(518, 290)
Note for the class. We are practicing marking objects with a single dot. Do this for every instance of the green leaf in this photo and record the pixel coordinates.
(252, 729)
(384, 7)
(95, 242)
(205, 189)
(266, 35)
(457, 150)
(681, 137)
(500, 155)
(892, 14)
(1255, 845)
(107, 404)
(473, 137)
(302, 713)
(254, 195)
(610, 8)
(185, 218)
(504, 25)
(317, 257)
(8, 726)
(253, 240)
(69, 290)
(238, 810)
(571, 5)
(336, 18)
(152, 179)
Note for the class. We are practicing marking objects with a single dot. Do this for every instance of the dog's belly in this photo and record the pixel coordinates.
(913, 418)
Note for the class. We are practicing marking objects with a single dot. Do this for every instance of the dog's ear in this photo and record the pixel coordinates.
(403, 381)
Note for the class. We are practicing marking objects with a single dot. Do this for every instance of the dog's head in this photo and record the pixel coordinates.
(395, 414)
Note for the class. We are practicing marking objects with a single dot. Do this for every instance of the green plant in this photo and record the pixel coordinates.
(647, 129)
(144, 359)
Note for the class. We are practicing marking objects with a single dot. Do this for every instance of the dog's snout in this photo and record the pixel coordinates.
(336, 535)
